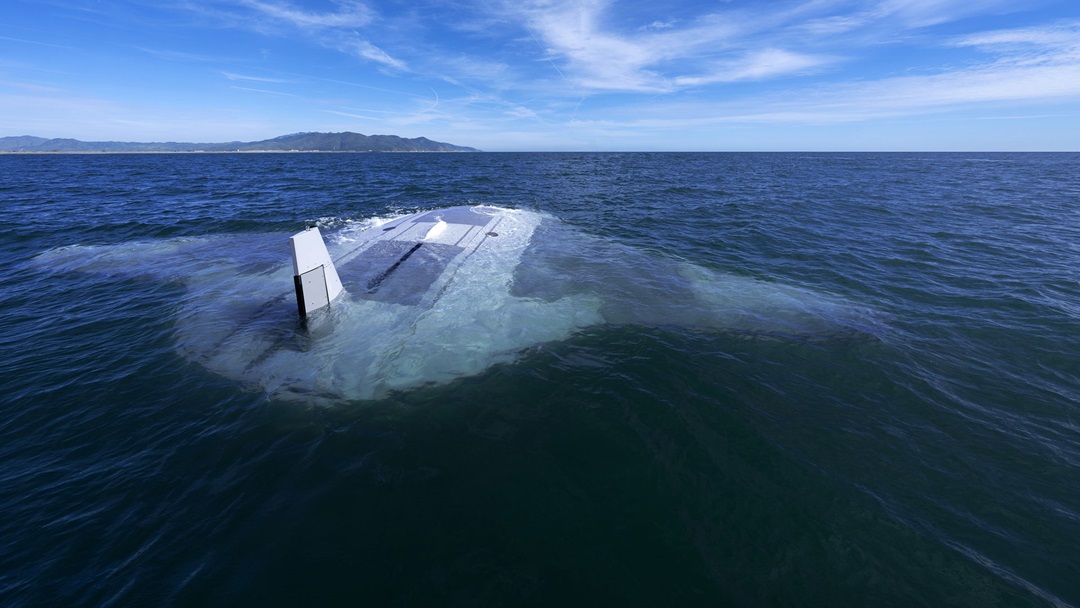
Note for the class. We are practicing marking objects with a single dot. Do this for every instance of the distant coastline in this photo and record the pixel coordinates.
(296, 142)
(91, 152)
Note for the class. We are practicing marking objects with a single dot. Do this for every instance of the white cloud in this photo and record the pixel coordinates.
(885, 99)
(522, 112)
(180, 56)
(923, 13)
(951, 90)
(601, 60)
(366, 50)
(833, 25)
(598, 57)
(661, 25)
(1027, 67)
(233, 76)
(766, 63)
(30, 86)
(669, 55)
(38, 43)
(337, 29)
(458, 69)
(354, 115)
(1065, 36)
(266, 92)
(887, 16)
(350, 14)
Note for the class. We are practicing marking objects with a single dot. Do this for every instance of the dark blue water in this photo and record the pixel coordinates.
(936, 464)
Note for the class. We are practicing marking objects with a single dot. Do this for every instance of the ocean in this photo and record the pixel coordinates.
(929, 456)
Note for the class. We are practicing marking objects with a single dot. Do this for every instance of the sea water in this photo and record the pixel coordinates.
(653, 462)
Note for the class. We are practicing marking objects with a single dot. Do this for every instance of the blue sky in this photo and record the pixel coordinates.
(551, 74)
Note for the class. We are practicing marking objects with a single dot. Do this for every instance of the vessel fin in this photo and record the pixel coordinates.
(314, 276)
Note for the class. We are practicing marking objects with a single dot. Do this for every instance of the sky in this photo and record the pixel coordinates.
(559, 75)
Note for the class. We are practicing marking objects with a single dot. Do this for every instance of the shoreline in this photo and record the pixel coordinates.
(39, 152)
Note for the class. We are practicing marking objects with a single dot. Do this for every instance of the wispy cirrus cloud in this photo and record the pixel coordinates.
(663, 55)
(349, 14)
(593, 45)
(181, 56)
(1023, 66)
(833, 18)
(29, 86)
(757, 65)
(242, 77)
(595, 56)
(338, 29)
(1026, 64)
(1059, 38)
(946, 91)
(358, 47)
(266, 92)
(460, 68)
(37, 43)
(923, 13)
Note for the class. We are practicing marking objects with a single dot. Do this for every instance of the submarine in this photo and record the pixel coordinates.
(391, 304)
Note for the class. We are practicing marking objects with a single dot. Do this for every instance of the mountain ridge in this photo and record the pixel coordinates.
(345, 141)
